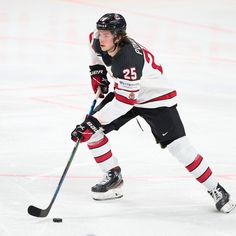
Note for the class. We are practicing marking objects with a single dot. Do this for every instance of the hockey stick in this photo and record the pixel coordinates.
(37, 212)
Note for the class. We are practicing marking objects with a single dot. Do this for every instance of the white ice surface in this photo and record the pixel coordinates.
(45, 88)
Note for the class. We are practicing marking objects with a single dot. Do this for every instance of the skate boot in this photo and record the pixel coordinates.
(222, 199)
(110, 186)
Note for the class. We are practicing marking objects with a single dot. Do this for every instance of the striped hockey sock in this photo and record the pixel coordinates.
(194, 162)
(200, 170)
(101, 151)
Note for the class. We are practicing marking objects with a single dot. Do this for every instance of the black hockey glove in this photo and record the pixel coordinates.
(99, 79)
(85, 130)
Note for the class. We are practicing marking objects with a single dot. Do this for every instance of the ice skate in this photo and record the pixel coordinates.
(110, 186)
(222, 199)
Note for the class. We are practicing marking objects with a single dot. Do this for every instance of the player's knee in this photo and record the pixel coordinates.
(182, 150)
(165, 143)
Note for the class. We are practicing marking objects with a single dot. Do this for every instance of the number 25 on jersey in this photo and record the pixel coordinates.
(130, 74)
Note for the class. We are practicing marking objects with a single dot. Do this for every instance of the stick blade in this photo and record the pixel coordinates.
(37, 212)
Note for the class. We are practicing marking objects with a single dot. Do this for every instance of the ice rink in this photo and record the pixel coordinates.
(45, 88)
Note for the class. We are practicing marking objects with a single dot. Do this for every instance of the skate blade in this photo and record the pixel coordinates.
(228, 207)
(109, 195)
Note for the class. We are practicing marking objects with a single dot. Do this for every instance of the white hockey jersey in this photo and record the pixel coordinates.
(137, 77)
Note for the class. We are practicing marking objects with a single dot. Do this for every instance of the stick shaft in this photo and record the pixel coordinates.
(34, 211)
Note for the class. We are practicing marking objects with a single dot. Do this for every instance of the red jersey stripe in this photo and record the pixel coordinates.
(163, 97)
(195, 163)
(205, 175)
(103, 157)
(125, 99)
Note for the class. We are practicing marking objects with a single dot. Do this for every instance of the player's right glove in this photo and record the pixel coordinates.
(98, 75)
(85, 130)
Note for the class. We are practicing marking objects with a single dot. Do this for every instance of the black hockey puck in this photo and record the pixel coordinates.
(57, 220)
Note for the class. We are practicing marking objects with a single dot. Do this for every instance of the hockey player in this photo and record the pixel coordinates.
(140, 89)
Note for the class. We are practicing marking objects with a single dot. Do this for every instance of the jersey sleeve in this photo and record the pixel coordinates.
(94, 58)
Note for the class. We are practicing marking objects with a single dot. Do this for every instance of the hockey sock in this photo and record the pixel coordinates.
(101, 151)
(193, 161)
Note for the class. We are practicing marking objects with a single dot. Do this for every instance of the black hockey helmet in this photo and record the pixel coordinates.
(113, 22)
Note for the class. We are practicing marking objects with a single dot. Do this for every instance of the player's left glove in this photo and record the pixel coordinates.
(85, 130)
(98, 75)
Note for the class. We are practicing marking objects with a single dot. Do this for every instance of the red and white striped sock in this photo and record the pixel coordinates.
(101, 151)
(193, 161)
